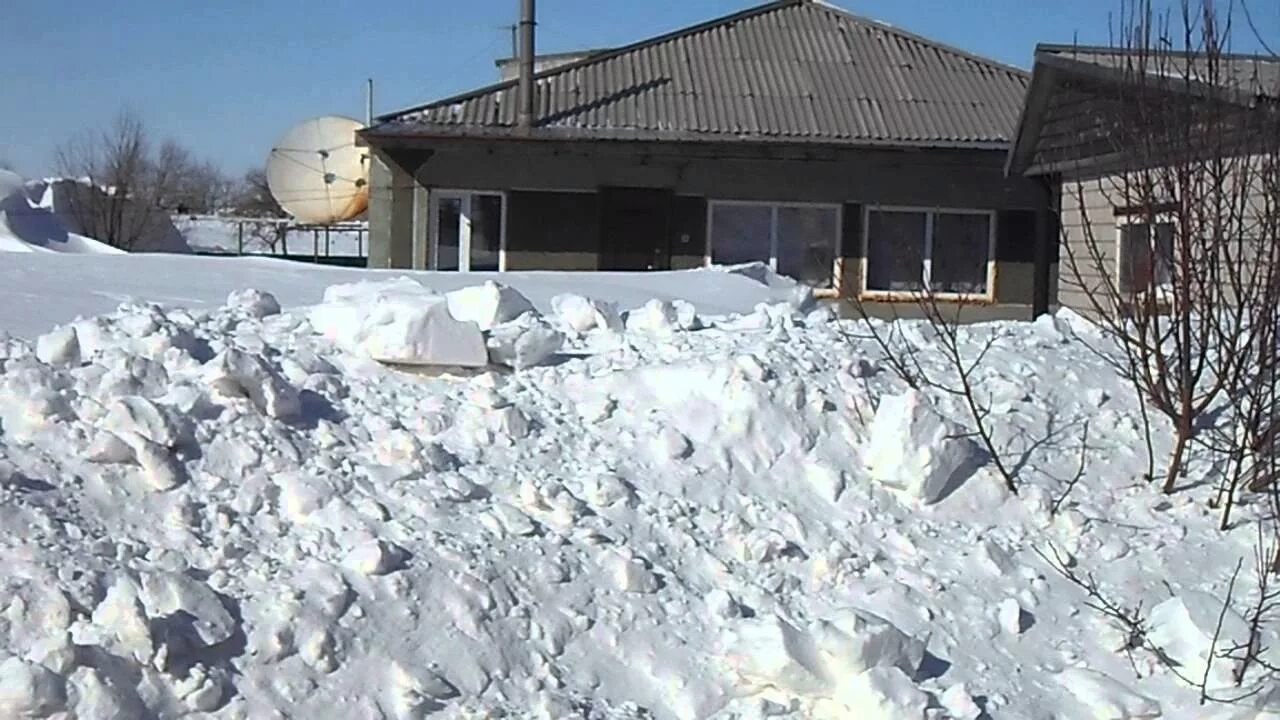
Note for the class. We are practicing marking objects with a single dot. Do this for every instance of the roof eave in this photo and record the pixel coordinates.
(372, 136)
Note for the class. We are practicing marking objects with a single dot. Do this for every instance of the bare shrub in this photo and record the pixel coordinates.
(960, 379)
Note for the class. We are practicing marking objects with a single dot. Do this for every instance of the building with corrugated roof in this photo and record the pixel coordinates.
(849, 154)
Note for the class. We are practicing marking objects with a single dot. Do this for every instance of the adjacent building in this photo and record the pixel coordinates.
(1117, 134)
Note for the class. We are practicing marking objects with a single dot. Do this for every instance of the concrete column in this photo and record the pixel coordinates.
(390, 212)
(421, 220)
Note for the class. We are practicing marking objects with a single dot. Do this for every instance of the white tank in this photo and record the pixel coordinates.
(317, 173)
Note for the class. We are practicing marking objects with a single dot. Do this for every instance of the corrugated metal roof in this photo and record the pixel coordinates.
(1254, 75)
(792, 70)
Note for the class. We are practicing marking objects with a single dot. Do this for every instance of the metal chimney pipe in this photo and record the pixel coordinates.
(527, 24)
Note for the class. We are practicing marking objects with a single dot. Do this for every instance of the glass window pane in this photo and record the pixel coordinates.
(486, 232)
(740, 233)
(1135, 257)
(448, 230)
(960, 246)
(895, 250)
(1164, 255)
(807, 244)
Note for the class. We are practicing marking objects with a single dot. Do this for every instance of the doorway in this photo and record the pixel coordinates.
(635, 228)
(468, 231)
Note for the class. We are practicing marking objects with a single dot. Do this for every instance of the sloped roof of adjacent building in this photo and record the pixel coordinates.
(1078, 95)
(1251, 75)
(787, 71)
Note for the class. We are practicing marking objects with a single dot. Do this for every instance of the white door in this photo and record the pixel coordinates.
(467, 231)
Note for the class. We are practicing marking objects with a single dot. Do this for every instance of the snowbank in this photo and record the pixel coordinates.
(68, 286)
(30, 222)
(224, 511)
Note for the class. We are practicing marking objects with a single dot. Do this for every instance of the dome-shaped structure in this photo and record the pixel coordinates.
(317, 173)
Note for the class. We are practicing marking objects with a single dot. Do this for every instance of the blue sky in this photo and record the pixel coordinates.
(226, 78)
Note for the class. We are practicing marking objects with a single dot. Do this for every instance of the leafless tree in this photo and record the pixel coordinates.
(121, 190)
(253, 196)
(1188, 291)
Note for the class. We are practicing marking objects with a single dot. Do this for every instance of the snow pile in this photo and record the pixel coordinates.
(29, 221)
(230, 512)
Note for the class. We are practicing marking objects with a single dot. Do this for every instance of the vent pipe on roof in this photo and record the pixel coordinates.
(527, 25)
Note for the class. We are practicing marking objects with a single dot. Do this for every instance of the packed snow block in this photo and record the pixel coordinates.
(28, 690)
(401, 325)
(165, 593)
(375, 557)
(855, 641)
(253, 303)
(238, 374)
(139, 415)
(524, 343)
(916, 450)
(581, 315)
(662, 317)
(771, 652)
(1107, 698)
(59, 347)
(883, 693)
(120, 621)
(1183, 629)
(487, 305)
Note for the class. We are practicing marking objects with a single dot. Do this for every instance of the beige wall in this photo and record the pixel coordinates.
(1088, 221)
(1089, 244)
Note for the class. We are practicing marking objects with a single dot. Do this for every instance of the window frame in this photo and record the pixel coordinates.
(774, 207)
(930, 213)
(1163, 292)
(435, 195)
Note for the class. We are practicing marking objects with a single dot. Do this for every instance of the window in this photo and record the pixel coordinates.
(797, 240)
(467, 230)
(947, 251)
(1145, 256)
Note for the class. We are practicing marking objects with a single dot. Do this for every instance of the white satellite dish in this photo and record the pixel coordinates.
(317, 173)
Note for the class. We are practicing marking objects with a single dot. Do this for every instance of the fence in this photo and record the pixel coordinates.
(341, 244)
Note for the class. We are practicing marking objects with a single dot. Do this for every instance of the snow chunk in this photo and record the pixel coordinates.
(1183, 628)
(957, 701)
(59, 347)
(375, 557)
(28, 690)
(142, 417)
(238, 374)
(164, 594)
(854, 658)
(915, 449)
(398, 322)
(1106, 698)
(662, 317)
(884, 693)
(855, 641)
(582, 315)
(630, 574)
(253, 303)
(525, 343)
(487, 305)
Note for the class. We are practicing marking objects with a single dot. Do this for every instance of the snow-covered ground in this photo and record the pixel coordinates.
(206, 233)
(719, 510)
